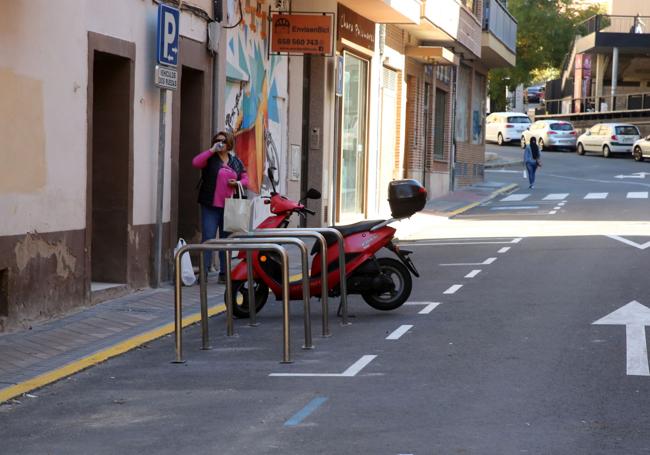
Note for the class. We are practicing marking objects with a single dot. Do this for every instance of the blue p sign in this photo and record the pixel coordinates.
(168, 27)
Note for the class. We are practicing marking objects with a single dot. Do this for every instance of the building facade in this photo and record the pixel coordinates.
(400, 94)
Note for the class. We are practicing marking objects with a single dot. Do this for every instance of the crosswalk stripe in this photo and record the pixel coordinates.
(556, 196)
(637, 195)
(596, 196)
(515, 197)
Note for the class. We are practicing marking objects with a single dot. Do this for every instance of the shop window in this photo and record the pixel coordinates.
(440, 120)
(353, 141)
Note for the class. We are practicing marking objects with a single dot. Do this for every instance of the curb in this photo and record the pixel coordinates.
(120, 347)
(503, 164)
(500, 191)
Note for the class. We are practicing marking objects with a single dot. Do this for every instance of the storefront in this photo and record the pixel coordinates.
(356, 43)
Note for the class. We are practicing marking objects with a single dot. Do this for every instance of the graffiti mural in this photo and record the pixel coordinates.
(255, 92)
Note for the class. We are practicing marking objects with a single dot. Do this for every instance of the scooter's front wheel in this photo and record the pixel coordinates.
(240, 298)
(401, 278)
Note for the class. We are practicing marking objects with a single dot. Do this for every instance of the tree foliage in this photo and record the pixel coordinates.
(545, 34)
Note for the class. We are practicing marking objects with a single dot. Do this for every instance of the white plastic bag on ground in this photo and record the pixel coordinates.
(187, 271)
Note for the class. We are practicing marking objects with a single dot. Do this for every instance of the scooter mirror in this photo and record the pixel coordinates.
(313, 193)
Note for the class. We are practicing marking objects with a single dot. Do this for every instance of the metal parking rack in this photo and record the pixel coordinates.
(228, 246)
(245, 240)
(269, 233)
(297, 232)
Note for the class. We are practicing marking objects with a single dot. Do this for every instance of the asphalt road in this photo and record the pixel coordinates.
(496, 353)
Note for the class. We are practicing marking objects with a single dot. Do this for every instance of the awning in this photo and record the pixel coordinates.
(432, 54)
(387, 11)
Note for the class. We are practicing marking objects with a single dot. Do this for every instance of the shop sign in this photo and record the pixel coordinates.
(356, 28)
(302, 34)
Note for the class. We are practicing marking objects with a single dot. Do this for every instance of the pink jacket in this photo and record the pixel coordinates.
(222, 190)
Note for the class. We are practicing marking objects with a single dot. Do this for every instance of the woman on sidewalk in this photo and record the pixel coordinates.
(532, 160)
(221, 170)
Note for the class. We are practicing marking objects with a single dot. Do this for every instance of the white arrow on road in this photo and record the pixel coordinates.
(636, 175)
(640, 246)
(634, 317)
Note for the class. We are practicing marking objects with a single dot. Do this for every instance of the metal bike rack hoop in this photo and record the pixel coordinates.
(342, 273)
(244, 239)
(229, 246)
(292, 233)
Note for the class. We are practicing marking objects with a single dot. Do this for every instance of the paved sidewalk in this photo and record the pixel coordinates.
(53, 350)
(466, 198)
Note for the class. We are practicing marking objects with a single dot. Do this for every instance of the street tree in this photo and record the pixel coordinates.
(545, 33)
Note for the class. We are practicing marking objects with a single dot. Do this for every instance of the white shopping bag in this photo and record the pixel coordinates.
(525, 174)
(187, 271)
(237, 212)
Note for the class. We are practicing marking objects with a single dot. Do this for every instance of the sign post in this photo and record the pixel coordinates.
(166, 77)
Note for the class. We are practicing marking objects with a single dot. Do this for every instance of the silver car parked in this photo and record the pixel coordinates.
(641, 149)
(551, 134)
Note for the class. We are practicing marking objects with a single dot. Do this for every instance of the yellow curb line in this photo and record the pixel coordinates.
(105, 354)
(494, 194)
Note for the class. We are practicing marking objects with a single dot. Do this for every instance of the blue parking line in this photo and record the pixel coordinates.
(304, 412)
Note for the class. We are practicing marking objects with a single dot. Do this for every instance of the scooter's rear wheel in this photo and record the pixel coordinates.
(401, 278)
(240, 298)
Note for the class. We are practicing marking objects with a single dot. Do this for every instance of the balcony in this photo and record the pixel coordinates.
(387, 11)
(499, 38)
(602, 33)
(448, 24)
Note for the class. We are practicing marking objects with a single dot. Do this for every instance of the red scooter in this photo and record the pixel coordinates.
(384, 283)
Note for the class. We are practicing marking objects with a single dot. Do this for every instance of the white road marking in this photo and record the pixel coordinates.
(504, 250)
(557, 208)
(637, 195)
(596, 195)
(552, 212)
(453, 243)
(430, 306)
(515, 197)
(561, 204)
(453, 289)
(517, 240)
(353, 370)
(556, 197)
(516, 207)
(635, 317)
(399, 332)
(641, 246)
(488, 261)
(473, 273)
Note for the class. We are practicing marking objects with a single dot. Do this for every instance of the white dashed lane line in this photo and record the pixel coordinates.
(473, 273)
(429, 306)
(503, 250)
(453, 289)
(399, 332)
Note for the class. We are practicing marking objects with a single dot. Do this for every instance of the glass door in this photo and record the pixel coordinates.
(353, 140)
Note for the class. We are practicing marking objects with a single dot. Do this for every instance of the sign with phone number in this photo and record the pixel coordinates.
(302, 34)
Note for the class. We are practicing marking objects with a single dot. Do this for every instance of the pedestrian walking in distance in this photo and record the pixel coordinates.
(221, 171)
(532, 160)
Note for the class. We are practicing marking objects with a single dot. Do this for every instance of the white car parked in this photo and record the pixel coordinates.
(608, 138)
(502, 127)
(551, 133)
(641, 149)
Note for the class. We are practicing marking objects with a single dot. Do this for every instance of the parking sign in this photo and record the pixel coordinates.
(167, 39)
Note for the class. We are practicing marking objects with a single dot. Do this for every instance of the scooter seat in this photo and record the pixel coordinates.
(346, 230)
